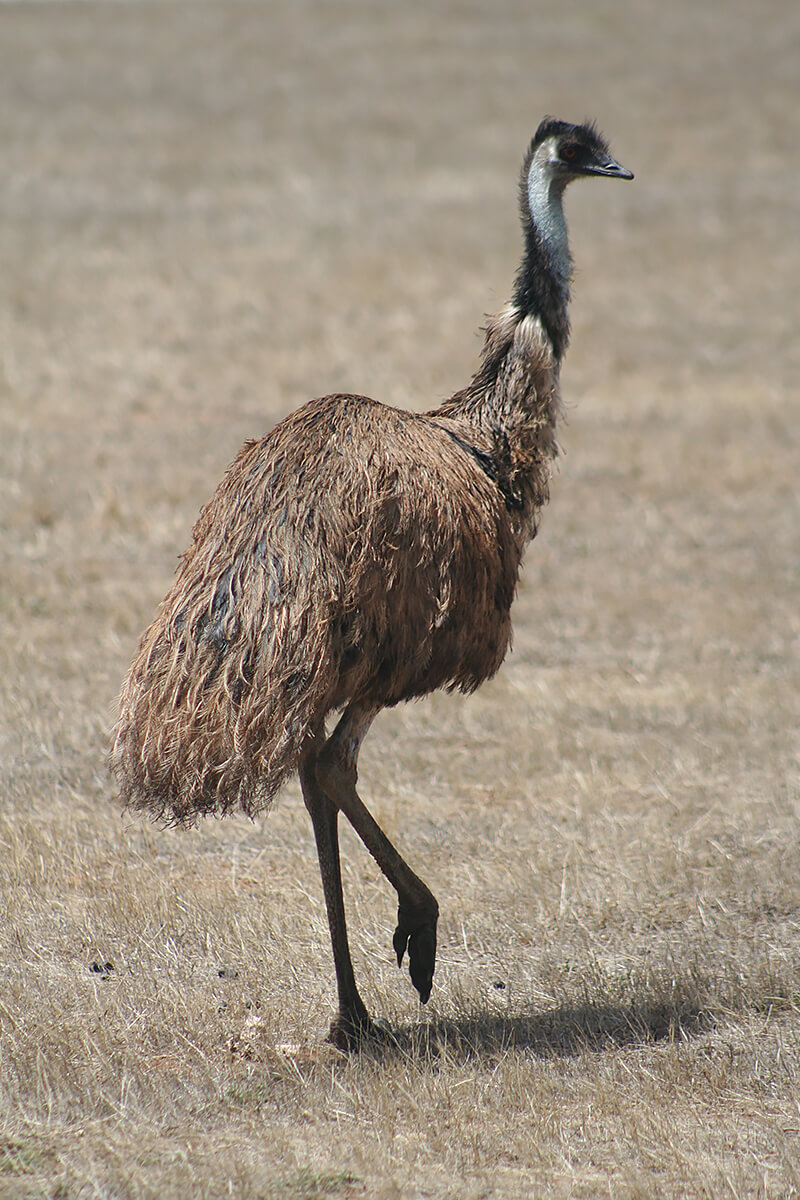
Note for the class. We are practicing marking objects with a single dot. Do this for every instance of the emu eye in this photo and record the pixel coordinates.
(569, 152)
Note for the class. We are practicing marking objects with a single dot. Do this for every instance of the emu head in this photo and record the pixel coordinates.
(559, 153)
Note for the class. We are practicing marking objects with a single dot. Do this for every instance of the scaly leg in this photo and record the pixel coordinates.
(417, 912)
(352, 1024)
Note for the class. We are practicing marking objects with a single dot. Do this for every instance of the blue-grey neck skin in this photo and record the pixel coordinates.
(542, 286)
(546, 204)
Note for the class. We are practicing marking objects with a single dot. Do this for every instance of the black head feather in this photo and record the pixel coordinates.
(585, 140)
(588, 133)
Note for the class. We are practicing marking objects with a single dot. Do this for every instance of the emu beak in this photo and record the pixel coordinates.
(608, 167)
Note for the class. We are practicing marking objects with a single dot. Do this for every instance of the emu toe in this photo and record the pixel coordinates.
(355, 1031)
(419, 938)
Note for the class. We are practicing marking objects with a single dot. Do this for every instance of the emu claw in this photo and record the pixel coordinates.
(419, 938)
(400, 941)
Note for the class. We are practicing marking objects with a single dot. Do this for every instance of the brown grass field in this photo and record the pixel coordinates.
(212, 212)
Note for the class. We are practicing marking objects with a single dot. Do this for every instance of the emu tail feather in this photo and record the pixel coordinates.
(219, 702)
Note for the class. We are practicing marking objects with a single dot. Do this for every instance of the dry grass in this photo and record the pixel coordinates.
(209, 214)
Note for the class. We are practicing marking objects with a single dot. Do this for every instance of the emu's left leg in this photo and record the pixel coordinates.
(417, 912)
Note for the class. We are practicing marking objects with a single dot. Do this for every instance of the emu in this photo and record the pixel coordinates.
(355, 557)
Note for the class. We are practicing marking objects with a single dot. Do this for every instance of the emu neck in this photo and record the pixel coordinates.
(543, 279)
(546, 204)
(526, 341)
(509, 411)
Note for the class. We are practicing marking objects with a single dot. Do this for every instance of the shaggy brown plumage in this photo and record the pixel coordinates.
(356, 553)
(356, 556)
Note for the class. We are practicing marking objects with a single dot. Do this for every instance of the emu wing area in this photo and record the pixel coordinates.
(355, 553)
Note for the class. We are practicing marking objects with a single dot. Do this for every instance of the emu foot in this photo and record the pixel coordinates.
(356, 1031)
(416, 932)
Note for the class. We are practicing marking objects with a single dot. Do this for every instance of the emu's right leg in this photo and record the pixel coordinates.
(352, 1024)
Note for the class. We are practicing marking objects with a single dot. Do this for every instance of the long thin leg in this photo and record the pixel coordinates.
(417, 912)
(352, 1023)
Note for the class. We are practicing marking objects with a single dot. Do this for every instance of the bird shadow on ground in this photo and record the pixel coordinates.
(556, 1033)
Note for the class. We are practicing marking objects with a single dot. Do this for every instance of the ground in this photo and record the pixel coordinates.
(212, 212)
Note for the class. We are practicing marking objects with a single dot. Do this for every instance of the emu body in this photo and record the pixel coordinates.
(355, 557)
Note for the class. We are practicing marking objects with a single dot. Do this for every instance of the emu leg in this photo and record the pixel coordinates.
(417, 912)
(352, 1024)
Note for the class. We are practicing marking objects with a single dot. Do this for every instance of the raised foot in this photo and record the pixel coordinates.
(357, 1032)
(416, 932)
